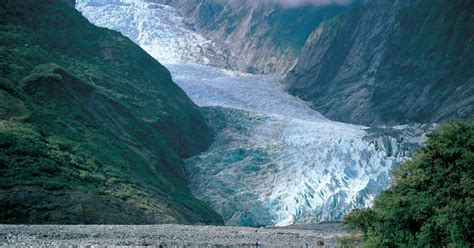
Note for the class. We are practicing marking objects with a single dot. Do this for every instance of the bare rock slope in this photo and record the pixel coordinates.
(391, 62)
(260, 37)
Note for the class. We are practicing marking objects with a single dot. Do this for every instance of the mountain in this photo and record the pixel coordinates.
(273, 160)
(260, 37)
(92, 128)
(391, 62)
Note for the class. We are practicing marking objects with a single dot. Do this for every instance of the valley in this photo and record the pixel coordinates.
(274, 160)
(237, 123)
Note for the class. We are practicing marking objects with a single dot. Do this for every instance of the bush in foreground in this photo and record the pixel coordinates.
(431, 200)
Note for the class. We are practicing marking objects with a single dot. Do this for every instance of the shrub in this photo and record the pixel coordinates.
(431, 200)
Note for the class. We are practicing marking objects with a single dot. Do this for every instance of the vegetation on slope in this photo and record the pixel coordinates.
(431, 200)
(92, 129)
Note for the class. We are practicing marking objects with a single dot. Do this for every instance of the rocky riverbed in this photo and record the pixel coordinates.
(320, 235)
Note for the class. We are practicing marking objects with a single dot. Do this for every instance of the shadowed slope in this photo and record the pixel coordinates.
(92, 128)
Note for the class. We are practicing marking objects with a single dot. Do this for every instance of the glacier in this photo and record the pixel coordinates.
(274, 160)
(143, 22)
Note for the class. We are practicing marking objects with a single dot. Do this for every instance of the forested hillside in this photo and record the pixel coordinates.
(92, 128)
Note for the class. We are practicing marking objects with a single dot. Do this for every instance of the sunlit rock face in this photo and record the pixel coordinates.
(264, 37)
(274, 160)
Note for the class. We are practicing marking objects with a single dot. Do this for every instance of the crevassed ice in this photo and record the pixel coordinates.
(157, 28)
(274, 161)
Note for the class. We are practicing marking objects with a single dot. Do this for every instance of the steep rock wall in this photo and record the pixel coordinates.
(260, 37)
(391, 62)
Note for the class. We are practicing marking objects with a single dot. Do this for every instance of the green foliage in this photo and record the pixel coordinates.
(282, 31)
(431, 200)
(88, 121)
(349, 241)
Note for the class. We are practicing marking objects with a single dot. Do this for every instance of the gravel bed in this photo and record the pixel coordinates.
(166, 236)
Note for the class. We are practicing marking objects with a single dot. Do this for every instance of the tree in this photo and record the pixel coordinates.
(430, 202)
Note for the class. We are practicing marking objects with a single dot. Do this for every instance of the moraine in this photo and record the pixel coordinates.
(274, 160)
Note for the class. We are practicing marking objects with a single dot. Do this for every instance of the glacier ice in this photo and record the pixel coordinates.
(157, 28)
(274, 161)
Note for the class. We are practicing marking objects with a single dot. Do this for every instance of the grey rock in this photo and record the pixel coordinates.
(390, 62)
(261, 37)
(167, 236)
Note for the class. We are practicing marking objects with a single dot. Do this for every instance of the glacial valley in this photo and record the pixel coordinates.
(274, 160)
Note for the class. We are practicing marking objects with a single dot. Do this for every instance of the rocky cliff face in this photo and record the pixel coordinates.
(391, 62)
(260, 37)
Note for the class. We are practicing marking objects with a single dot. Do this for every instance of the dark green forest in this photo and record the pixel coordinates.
(92, 128)
(430, 202)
